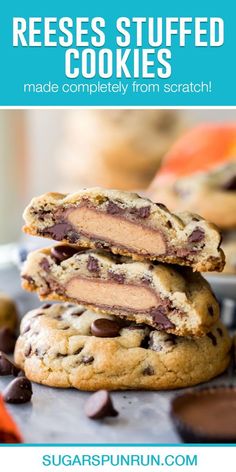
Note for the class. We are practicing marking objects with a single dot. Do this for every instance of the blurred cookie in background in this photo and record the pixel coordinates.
(116, 148)
(198, 174)
(8, 312)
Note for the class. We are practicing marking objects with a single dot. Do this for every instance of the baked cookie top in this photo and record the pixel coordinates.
(67, 346)
(126, 224)
(167, 297)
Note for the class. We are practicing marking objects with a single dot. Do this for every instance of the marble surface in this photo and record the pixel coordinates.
(57, 416)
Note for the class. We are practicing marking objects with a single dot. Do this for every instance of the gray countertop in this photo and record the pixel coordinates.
(57, 415)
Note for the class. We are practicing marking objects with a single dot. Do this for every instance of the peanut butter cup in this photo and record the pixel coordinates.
(206, 415)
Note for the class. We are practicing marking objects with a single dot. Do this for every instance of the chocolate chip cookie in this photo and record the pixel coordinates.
(8, 312)
(126, 224)
(211, 193)
(174, 299)
(67, 346)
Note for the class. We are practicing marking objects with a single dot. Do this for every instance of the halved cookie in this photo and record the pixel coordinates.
(126, 224)
(65, 346)
(175, 299)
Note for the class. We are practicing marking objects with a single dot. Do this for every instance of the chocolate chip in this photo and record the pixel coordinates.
(99, 405)
(78, 312)
(105, 328)
(44, 264)
(7, 367)
(45, 307)
(148, 371)
(159, 317)
(210, 310)
(61, 355)
(230, 184)
(212, 338)
(196, 236)
(117, 277)
(114, 209)
(77, 351)
(58, 231)
(28, 350)
(169, 224)
(142, 212)
(18, 391)
(87, 359)
(7, 340)
(63, 252)
(92, 264)
(219, 330)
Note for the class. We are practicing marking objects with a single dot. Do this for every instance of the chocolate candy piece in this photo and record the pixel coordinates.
(7, 367)
(104, 328)
(18, 391)
(7, 340)
(99, 405)
(159, 316)
(93, 265)
(196, 236)
(62, 252)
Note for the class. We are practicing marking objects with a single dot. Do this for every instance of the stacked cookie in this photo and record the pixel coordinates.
(135, 312)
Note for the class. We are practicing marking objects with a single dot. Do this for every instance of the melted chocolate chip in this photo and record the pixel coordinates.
(61, 355)
(210, 310)
(87, 359)
(105, 328)
(117, 277)
(159, 317)
(142, 212)
(99, 405)
(58, 231)
(93, 264)
(212, 338)
(18, 391)
(230, 184)
(62, 252)
(44, 264)
(219, 330)
(148, 371)
(196, 236)
(114, 209)
(7, 367)
(7, 340)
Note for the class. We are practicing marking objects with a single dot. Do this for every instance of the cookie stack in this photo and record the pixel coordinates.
(134, 311)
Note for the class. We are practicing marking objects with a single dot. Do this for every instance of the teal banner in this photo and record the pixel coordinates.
(125, 53)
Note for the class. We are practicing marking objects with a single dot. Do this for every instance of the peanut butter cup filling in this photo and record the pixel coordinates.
(128, 297)
(116, 229)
